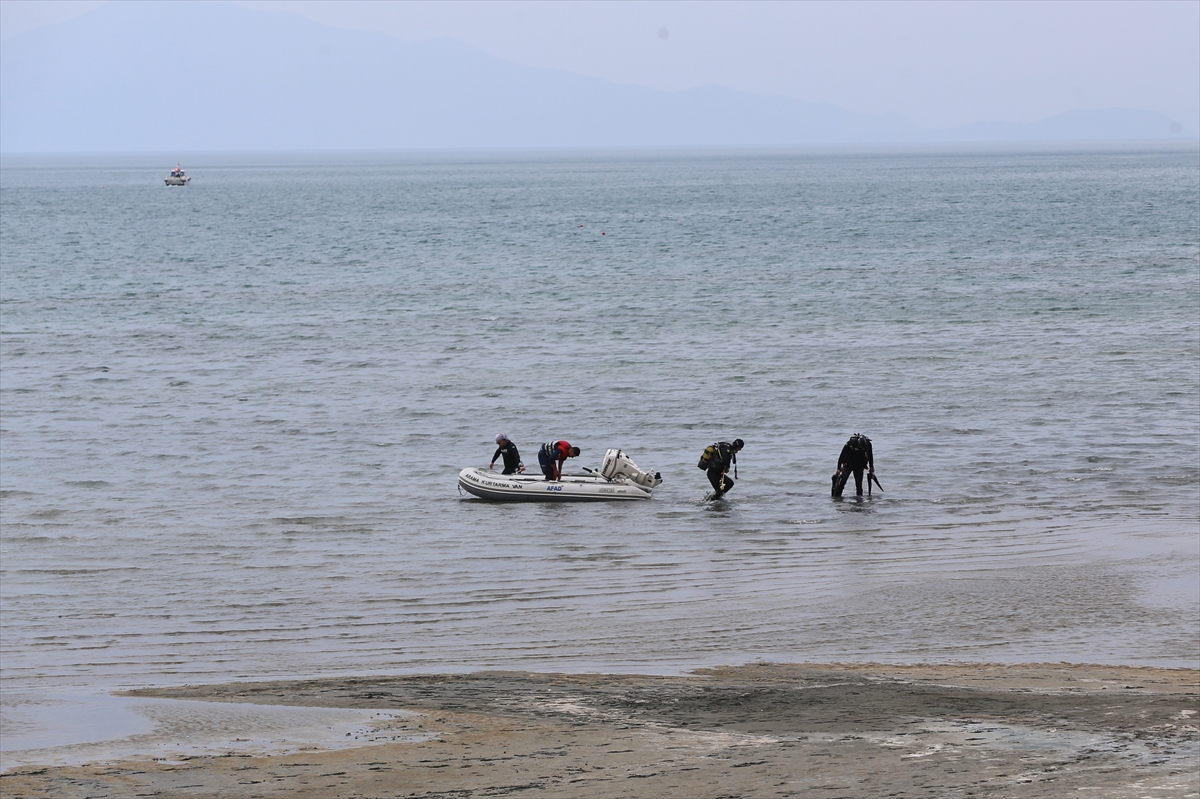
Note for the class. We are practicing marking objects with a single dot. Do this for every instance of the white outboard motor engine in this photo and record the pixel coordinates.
(617, 466)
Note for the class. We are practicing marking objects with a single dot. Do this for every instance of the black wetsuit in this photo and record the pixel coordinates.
(725, 457)
(855, 457)
(512, 458)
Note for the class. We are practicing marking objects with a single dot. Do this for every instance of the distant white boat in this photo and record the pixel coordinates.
(178, 177)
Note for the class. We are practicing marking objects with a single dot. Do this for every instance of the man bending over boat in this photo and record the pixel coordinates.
(507, 450)
(553, 455)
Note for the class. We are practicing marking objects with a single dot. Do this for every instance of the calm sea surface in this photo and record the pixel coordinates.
(233, 413)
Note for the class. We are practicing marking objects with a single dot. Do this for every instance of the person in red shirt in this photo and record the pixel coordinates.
(553, 455)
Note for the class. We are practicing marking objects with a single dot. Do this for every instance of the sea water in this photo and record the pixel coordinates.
(233, 413)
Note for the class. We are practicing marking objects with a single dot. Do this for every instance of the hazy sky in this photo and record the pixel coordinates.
(936, 63)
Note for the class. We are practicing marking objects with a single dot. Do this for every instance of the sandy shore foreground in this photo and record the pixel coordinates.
(763, 730)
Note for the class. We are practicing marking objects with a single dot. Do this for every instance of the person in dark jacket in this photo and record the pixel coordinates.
(855, 457)
(507, 450)
(723, 455)
(553, 455)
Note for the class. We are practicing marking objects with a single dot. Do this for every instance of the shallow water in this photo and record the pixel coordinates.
(232, 413)
(74, 729)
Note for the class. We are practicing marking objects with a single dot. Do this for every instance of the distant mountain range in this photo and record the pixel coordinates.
(209, 76)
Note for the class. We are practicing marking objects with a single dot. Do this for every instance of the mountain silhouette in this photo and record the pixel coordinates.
(133, 77)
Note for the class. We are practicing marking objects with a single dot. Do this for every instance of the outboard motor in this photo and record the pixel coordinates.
(617, 466)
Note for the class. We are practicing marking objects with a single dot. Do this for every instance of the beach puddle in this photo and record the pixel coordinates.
(74, 730)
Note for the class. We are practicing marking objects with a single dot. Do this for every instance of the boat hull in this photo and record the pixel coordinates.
(496, 487)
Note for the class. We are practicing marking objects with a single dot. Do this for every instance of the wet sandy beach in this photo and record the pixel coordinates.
(762, 730)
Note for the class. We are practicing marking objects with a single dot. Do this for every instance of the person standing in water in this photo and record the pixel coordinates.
(553, 455)
(507, 450)
(856, 456)
(716, 461)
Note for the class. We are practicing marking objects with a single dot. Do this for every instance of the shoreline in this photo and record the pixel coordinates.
(764, 729)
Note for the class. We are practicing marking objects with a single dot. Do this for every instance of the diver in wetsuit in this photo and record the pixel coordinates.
(856, 456)
(507, 450)
(723, 455)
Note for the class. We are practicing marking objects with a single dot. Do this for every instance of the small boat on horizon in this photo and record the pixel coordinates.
(178, 177)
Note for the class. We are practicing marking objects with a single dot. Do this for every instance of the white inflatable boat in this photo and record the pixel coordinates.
(618, 478)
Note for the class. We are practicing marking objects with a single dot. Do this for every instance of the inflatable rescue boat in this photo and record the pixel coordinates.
(618, 478)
